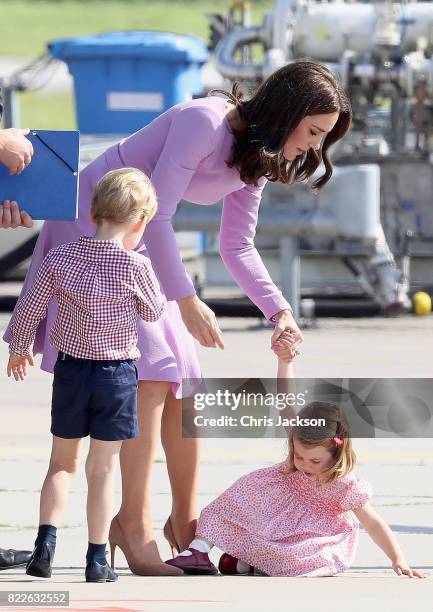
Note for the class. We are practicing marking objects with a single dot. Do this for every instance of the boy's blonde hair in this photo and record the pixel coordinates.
(123, 195)
(334, 436)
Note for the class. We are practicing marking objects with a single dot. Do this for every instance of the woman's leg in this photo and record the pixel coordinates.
(100, 470)
(136, 461)
(182, 463)
(54, 493)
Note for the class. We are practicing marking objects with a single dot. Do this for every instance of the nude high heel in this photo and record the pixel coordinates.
(168, 532)
(169, 536)
(117, 537)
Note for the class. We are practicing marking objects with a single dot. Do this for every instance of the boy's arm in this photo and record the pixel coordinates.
(31, 310)
(149, 300)
(381, 534)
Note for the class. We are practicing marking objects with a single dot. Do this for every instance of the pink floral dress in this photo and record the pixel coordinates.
(287, 524)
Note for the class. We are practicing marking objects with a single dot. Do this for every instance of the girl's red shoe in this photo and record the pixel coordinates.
(197, 563)
(228, 565)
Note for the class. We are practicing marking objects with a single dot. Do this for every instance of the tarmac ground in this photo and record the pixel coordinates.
(400, 471)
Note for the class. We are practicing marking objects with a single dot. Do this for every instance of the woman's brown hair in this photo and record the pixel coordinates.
(303, 87)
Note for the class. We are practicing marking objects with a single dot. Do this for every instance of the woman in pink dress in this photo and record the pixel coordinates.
(202, 151)
(297, 518)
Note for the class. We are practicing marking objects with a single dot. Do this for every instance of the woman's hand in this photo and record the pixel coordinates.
(283, 348)
(286, 327)
(200, 321)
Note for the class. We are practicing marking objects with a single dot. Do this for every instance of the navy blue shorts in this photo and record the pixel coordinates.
(96, 398)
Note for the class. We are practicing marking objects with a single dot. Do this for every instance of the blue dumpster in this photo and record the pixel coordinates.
(123, 80)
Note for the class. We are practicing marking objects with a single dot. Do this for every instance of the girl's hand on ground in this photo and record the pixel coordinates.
(402, 568)
(17, 365)
(201, 322)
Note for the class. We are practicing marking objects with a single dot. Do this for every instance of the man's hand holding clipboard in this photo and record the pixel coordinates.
(47, 188)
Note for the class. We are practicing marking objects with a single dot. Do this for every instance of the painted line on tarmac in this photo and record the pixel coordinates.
(16, 452)
(155, 600)
(362, 456)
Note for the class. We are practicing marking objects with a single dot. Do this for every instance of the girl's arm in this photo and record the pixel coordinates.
(381, 534)
(284, 371)
(285, 383)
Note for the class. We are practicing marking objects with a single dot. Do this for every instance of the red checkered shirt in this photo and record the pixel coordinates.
(100, 289)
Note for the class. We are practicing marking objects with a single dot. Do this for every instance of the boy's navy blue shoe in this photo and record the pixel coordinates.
(41, 561)
(97, 572)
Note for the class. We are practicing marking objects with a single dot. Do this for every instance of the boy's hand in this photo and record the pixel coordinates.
(401, 567)
(17, 365)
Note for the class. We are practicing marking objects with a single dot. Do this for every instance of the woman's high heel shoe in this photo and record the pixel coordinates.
(168, 532)
(117, 537)
(169, 536)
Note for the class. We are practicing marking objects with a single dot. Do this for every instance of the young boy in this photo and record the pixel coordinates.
(101, 285)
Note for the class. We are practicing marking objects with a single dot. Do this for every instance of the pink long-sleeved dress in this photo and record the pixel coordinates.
(184, 152)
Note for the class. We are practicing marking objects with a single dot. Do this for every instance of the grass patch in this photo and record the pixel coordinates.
(26, 26)
(47, 111)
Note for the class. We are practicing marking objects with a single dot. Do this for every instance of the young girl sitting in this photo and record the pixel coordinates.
(296, 518)
(101, 286)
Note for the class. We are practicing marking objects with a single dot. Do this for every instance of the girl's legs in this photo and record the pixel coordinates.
(136, 460)
(227, 565)
(100, 470)
(200, 544)
(182, 456)
(195, 560)
(63, 465)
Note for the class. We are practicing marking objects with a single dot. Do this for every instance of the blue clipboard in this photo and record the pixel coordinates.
(48, 187)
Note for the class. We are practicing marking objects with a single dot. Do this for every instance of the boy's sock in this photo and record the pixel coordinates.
(199, 545)
(96, 552)
(46, 533)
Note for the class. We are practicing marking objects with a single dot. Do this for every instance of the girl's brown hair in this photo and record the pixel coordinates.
(303, 87)
(334, 436)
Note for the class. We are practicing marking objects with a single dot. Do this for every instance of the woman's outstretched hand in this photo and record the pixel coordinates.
(200, 321)
(284, 322)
